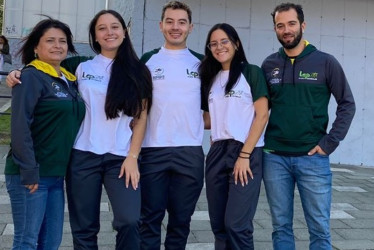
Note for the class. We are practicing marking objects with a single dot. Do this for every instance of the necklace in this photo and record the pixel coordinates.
(223, 74)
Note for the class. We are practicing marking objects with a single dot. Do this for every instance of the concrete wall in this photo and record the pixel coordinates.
(344, 28)
(20, 16)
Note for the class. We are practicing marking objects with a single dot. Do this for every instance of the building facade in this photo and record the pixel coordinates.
(343, 28)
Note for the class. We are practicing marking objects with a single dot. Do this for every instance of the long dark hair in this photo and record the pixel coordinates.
(130, 80)
(210, 67)
(5, 39)
(32, 40)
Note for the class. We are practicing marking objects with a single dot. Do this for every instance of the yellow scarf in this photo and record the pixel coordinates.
(48, 69)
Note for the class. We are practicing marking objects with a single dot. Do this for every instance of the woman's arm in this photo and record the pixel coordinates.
(206, 118)
(242, 165)
(24, 100)
(130, 165)
(70, 64)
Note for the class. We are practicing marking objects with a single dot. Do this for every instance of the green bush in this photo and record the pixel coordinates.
(5, 128)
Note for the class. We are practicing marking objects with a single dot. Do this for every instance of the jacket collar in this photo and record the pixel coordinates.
(48, 69)
(309, 48)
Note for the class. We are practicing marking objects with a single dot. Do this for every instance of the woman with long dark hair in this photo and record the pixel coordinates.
(235, 95)
(117, 90)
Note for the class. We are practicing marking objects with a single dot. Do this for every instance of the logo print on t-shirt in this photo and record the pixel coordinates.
(86, 76)
(158, 74)
(192, 74)
(233, 93)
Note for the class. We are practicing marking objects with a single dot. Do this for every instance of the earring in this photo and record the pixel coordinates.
(36, 55)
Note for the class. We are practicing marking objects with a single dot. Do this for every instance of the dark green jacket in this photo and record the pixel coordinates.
(299, 98)
(46, 116)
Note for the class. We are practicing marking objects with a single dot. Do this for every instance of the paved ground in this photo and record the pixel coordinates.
(352, 220)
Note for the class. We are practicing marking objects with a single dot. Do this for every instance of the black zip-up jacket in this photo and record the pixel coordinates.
(300, 90)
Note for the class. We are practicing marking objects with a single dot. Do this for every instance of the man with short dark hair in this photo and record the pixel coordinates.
(301, 80)
(172, 158)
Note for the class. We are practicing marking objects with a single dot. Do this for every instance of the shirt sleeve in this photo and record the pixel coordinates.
(345, 110)
(257, 83)
(71, 63)
(25, 97)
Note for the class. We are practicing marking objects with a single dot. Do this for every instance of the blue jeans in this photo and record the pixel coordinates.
(38, 218)
(313, 178)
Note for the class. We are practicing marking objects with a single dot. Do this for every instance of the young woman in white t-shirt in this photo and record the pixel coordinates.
(117, 90)
(235, 95)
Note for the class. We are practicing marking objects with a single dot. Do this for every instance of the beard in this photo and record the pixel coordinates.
(292, 44)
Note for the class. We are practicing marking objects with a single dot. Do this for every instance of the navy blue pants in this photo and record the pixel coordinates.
(171, 180)
(231, 207)
(86, 175)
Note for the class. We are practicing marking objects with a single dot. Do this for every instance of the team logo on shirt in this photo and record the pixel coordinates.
(275, 76)
(308, 76)
(158, 74)
(58, 91)
(192, 74)
(233, 93)
(86, 76)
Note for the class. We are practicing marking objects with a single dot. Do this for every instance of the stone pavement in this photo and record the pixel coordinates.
(352, 217)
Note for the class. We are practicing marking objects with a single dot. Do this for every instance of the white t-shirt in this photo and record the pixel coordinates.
(175, 118)
(97, 134)
(231, 114)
